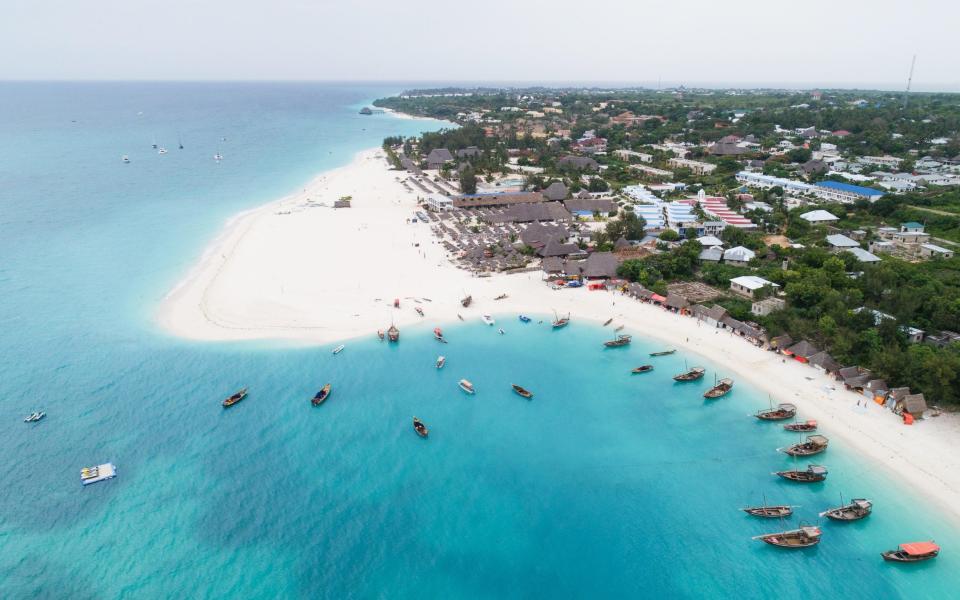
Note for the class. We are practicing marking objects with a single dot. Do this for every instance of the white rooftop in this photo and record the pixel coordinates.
(752, 282)
(818, 216)
(864, 256)
(839, 240)
(710, 240)
(739, 253)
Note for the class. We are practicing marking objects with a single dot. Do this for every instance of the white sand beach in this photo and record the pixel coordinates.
(297, 270)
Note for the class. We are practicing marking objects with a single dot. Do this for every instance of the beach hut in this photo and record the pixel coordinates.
(657, 299)
(854, 378)
(876, 390)
(677, 304)
(801, 351)
(781, 342)
(915, 405)
(824, 362)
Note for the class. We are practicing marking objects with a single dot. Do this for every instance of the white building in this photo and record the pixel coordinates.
(628, 154)
(749, 285)
(439, 202)
(884, 161)
(698, 167)
(738, 256)
(931, 250)
(768, 181)
(819, 216)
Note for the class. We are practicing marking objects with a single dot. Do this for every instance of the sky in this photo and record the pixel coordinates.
(843, 43)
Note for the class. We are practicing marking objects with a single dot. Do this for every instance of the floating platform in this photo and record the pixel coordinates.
(102, 472)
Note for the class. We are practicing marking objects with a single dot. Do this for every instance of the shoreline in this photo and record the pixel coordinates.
(296, 270)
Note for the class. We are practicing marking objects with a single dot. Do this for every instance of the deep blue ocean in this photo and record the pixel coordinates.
(604, 485)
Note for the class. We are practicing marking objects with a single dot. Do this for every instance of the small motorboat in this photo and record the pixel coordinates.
(162, 151)
(380, 334)
(796, 538)
(487, 319)
(857, 509)
(812, 474)
(620, 340)
(338, 349)
(522, 391)
(802, 427)
(419, 310)
(691, 374)
(776, 511)
(441, 360)
(125, 158)
(321, 396)
(783, 411)
(218, 157)
(501, 331)
(814, 444)
(500, 297)
(393, 334)
(524, 318)
(912, 552)
(235, 398)
(459, 316)
(466, 386)
(642, 369)
(420, 428)
(619, 328)
(722, 388)
(34, 417)
(608, 321)
(662, 353)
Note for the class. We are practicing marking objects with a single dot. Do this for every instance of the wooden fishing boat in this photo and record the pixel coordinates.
(803, 537)
(441, 360)
(857, 509)
(420, 428)
(814, 444)
(642, 369)
(501, 297)
(620, 340)
(691, 374)
(321, 396)
(380, 334)
(559, 322)
(524, 319)
(722, 388)
(814, 473)
(523, 392)
(608, 321)
(438, 334)
(662, 353)
(393, 334)
(775, 511)
(235, 398)
(459, 316)
(802, 427)
(783, 411)
(466, 301)
(419, 310)
(467, 386)
(912, 552)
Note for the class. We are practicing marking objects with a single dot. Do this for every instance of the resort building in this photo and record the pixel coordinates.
(439, 202)
(556, 191)
(438, 157)
(489, 200)
(716, 207)
(750, 285)
(628, 154)
(698, 167)
(846, 193)
(768, 181)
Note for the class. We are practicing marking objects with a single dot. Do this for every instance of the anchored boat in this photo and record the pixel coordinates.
(393, 334)
(235, 398)
(441, 360)
(487, 319)
(775, 511)
(662, 353)
(802, 427)
(691, 374)
(642, 369)
(795, 538)
(338, 349)
(321, 396)
(721, 388)
(420, 428)
(620, 340)
(466, 301)
(34, 417)
(815, 444)
(912, 552)
(857, 509)
(559, 322)
(782, 412)
(102, 472)
(814, 473)
(522, 391)
(466, 386)
(524, 318)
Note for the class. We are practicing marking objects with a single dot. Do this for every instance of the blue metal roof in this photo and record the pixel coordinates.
(849, 187)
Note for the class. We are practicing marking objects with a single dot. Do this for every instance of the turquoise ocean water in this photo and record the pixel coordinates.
(604, 485)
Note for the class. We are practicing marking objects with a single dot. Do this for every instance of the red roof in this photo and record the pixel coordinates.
(658, 298)
(918, 548)
(841, 132)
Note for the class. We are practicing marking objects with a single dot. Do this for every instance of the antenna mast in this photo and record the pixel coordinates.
(906, 94)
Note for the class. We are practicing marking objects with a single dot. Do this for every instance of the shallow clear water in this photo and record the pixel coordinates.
(604, 485)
